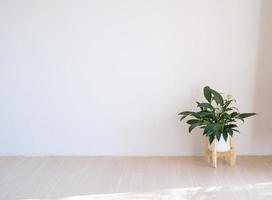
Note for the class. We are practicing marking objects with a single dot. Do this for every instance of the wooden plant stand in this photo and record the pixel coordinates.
(211, 155)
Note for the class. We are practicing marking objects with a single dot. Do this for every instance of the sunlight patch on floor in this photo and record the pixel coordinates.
(257, 190)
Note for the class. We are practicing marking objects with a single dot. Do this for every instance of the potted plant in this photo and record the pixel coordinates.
(216, 117)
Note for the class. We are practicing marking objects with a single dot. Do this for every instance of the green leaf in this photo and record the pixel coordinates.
(205, 105)
(225, 136)
(231, 126)
(212, 128)
(208, 129)
(217, 97)
(245, 115)
(230, 132)
(185, 113)
(184, 116)
(218, 135)
(207, 93)
(211, 138)
(194, 126)
(205, 114)
(192, 121)
(196, 115)
(233, 114)
(199, 106)
(224, 115)
(227, 104)
(237, 117)
(235, 130)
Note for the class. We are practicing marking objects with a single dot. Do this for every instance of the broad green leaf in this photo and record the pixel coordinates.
(198, 103)
(225, 136)
(185, 113)
(227, 103)
(235, 130)
(205, 114)
(211, 138)
(207, 93)
(230, 132)
(205, 105)
(217, 127)
(217, 97)
(192, 121)
(224, 115)
(245, 115)
(238, 117)
(233, 114)
(194, 126)
(231, 126)
(196, 115)
(218, 135)
(213, 128)
(208, 129)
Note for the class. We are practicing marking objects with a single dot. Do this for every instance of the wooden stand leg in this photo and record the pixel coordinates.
(214, 156)
(206, 150)
(233, 152)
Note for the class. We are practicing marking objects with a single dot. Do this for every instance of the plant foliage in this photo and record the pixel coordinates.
(216, 117)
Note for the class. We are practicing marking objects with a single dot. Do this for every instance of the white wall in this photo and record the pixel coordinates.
(109, 77)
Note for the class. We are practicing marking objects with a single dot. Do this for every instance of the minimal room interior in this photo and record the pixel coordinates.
(135, 99)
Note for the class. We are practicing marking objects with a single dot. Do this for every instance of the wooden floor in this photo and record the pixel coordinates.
(81, 178)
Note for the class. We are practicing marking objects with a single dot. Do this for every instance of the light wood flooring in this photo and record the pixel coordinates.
(82, 178)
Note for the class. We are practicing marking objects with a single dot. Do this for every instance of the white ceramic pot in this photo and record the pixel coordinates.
(221, 145)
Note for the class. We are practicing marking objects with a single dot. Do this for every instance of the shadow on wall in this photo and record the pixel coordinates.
(262, 126)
